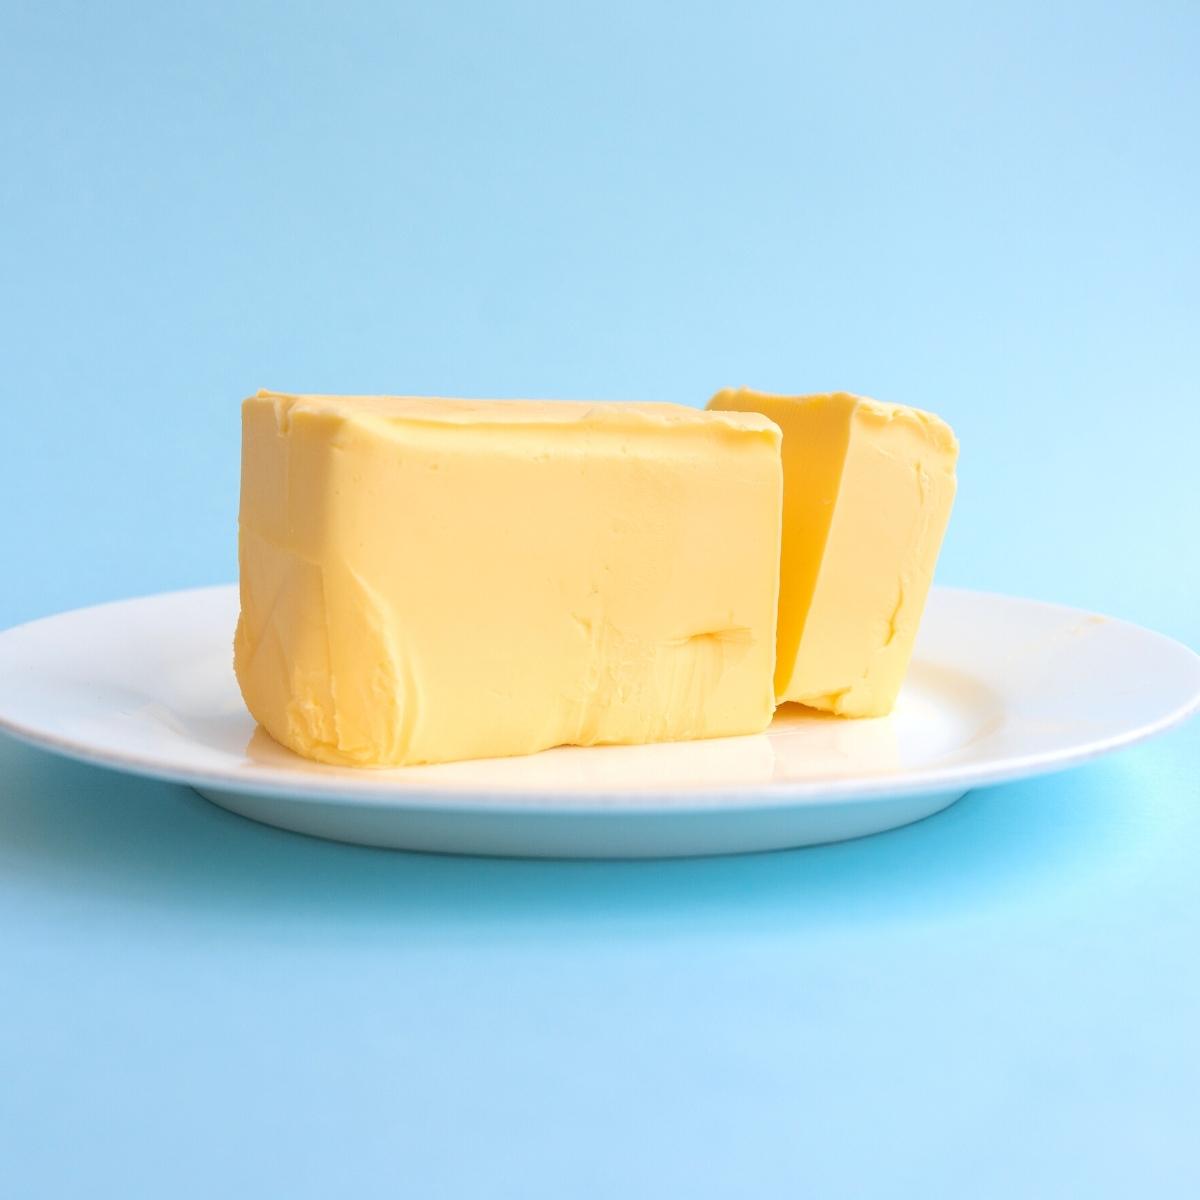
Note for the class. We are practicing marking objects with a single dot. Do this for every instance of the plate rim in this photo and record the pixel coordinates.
(766, 795)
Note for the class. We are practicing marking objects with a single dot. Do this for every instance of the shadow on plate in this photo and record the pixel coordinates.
(114, 840)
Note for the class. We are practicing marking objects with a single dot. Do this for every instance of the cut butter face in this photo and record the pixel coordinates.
(868, 489)
(430, 580)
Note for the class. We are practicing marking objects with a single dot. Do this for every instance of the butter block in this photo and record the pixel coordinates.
(868, 489)
(425, 580)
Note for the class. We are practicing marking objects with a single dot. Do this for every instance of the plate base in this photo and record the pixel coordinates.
(583, 834)
(999, 689)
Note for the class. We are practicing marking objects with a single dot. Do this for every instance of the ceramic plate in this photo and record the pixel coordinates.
(999, 689)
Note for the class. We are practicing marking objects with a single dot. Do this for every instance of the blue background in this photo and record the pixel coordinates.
(990, 211)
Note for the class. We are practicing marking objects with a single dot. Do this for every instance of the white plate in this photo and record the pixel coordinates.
(999, 689)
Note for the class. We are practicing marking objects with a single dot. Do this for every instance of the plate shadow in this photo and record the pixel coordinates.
(102, 837)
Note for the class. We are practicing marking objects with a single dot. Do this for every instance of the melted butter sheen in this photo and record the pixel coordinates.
(868, 489)
(430, 580)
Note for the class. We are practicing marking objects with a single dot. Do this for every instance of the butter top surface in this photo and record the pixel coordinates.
(615, 415)
(863, 407)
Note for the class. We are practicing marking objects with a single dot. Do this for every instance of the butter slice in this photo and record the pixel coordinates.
(425, 580)
(868, 489)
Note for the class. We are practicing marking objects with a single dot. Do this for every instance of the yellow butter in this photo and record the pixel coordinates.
(868, 489)
(427, 580)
